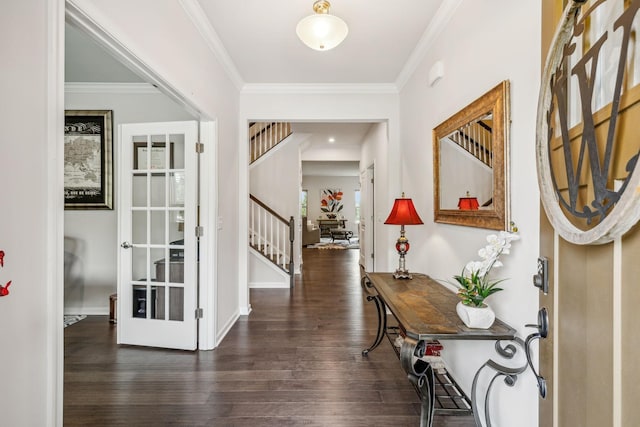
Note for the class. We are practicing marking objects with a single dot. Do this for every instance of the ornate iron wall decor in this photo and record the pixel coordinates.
(589, 105)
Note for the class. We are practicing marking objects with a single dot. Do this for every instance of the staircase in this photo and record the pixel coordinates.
(272, 236)
(264, 136)
(476, 139)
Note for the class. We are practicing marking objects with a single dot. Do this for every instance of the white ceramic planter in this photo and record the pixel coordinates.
(476, 317)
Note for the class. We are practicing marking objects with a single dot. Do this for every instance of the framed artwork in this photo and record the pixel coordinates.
(88, 159)
(331, 202)
(154, 160)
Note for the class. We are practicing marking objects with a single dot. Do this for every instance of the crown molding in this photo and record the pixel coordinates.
(91, 87)
(441, 18)
(208, 33)
(84, 20)
(315, 89)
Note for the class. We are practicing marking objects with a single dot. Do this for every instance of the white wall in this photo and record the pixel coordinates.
(502, 45)
(375, 148)
(330, 153)
(91, 235)
(347, 184)
(263, 275)
(31, 80)
(276, 179)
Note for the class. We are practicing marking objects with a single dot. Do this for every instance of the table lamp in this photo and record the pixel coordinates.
(468, 203)
(403, 213)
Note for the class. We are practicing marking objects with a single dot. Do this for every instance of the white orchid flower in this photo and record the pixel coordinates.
(474, 284)
(499, 244)
(508, 236)
(497, 263)
(473, 267)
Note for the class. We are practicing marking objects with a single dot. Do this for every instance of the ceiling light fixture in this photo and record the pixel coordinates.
(332, 140)
(322, 31)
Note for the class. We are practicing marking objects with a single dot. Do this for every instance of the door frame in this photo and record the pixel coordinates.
(367, 210)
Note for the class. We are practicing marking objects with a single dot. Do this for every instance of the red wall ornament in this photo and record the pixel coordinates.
(4, 290)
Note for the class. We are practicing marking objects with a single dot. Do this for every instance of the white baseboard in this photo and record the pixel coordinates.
(268, 285)
(87, 311)
(227, 327)
(245, 311)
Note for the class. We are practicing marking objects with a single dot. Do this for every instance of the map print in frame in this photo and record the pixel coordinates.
(88, 159)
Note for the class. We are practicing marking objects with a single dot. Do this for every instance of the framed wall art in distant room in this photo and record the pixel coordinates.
(88, 159)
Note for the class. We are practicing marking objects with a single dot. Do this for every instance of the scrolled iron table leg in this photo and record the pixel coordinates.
(382, 316)
(382, 323)
(507, 350)
(420, 373)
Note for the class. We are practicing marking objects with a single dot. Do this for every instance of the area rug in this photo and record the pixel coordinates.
(327, 243)
(71, 319)
(328, 246)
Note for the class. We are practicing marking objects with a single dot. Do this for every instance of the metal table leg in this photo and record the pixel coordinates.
(420, 373)
(508, 374)
(382, 316)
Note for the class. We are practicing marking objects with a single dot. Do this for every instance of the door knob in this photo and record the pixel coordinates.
(126, 245)
(543, 331)
(543, 323)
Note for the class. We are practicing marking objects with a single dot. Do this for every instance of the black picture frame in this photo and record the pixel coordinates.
(88, 159)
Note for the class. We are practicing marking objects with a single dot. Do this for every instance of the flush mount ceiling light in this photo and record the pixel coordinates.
(322, 31)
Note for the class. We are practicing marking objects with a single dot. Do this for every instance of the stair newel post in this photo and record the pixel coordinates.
(291, 239)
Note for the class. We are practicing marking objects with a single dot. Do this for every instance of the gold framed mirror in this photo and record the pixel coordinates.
(470, 163)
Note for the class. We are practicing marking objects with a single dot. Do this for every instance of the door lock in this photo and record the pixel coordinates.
(541, 279)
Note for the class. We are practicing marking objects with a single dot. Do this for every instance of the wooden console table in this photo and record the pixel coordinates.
(425, 310)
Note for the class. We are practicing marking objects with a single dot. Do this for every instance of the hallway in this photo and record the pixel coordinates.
(296, 360)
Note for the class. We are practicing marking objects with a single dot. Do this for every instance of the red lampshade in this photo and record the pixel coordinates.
(403, 213)
(468, 203)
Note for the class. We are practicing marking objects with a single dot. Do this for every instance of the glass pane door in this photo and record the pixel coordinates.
(158, 282)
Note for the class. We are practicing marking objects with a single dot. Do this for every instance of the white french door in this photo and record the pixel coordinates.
(157, 280)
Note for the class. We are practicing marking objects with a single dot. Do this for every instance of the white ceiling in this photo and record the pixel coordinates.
(318, 168)
(260, 44)
(321, 157)
(344, 134)
(261, 41)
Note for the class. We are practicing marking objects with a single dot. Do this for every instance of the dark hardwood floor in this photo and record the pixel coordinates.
(296, 360)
